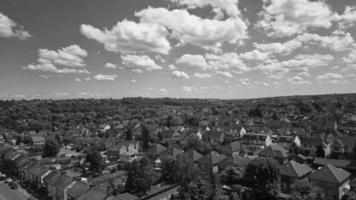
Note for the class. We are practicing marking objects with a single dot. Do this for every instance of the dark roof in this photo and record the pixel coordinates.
(40, 171)
(331, 174)
(194, 155)
(107, 177)
(241, 161)
(78, 189)
(52, 176)
(174, 152)
(275, 151)
(212, 158)
(232, 147)
(63, 181)
(294, 169)
(346, 164)
(314, 141)
(93, 195)
(347, 141)
(123, 196)
(157, 149)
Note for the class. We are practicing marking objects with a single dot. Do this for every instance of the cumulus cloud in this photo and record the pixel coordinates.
(61, 61)
(245, 81)
(298, 80)
(193, 61)
(110, 65)
(230, 7)
(348, 18)
(180, 75)
(10, 29)
(172, 67)
(254, 55)
(202, 75)
(350, 59)
(103, 77)
(163, 91)
(130, 37)
(139, 63)
(329, 76)
(190, 29)
(289, 17)
(188, 89)
(224, 74)
(278, 48)
(301, 63)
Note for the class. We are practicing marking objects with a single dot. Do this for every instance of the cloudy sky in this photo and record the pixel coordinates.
(176, 48)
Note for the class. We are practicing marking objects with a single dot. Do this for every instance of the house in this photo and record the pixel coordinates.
(102, 182)
(93, 194)
(291, 172)
(171, 152)
(256, 141)
(126, 149)
(343, 145)
(123, 196)
(160, 192)
(332, 180)
(287, 140)
(345, 164)
(38, 140)
(231, 148)
(212, 160)
(59, 187)
(194, 155)
(76, 190)
(311, 143)
(275, 151)
(36, 175)
(48, 180)
(157, 149)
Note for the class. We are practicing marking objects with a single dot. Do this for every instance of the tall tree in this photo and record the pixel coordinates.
(320, 152)
(304, 190)
(51, 148)
(145, 138)
(264, 176)
(96, 161)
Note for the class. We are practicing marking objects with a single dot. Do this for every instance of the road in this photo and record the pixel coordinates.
(6, 193)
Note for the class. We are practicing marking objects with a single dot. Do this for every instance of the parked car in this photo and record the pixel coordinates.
(13, 185)
(8, 180)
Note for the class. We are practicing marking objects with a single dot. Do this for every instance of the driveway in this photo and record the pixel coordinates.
(6, 193)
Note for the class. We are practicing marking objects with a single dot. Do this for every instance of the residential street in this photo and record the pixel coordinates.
(6, 193)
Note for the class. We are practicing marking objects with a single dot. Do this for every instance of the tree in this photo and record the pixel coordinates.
(351, 195)
(263, 174)
(128, 134)
(294, 149)
(145, 138)
(170, 172)
(320, 152)
(96, 161)
(140, 177)
(304, 190)
(51, 148)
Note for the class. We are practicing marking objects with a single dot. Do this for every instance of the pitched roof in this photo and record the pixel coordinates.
(212, 158)
(78, 189)
(52, 176)
(194, 155)
(233, 147)
(174, 152)
(346, 141)
(63, 181)
(40, 171)
(93, 195)
(157, 149)
(314, 141)
(275, 151)
(123, 196)
(331, 174)
(294, 169)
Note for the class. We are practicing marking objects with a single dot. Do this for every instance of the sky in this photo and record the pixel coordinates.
(227, 49)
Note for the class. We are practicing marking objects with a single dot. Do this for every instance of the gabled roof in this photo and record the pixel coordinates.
(314, 141)
(294, 169)
(93, 195)
(123, 196)
(346, 141)
(39, 171)
(51, 177)
(174, 152)
(78, 189)
(62, 181)
(330, 174)
(212, 158)
(157, 149)
(194, 155)
(275, 151)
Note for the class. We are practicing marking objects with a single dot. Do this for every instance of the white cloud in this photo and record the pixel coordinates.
(188, 89)
(102, 77)
(298, 80)
(207, 33)
(163, 91)
(61, 61)
(224, 74)
(228, 6)
(110, 65)
(133, 81)
(130, 37)
(329, 76)
(290, 17)
(180, 75)
(301, 63)
(139, 63)
(348, 18)
(350, 59)
(254, 55)
(10, 29)
(278, 48)
(245, 81)
(172, 67)
(193, 61)
(202, 75)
